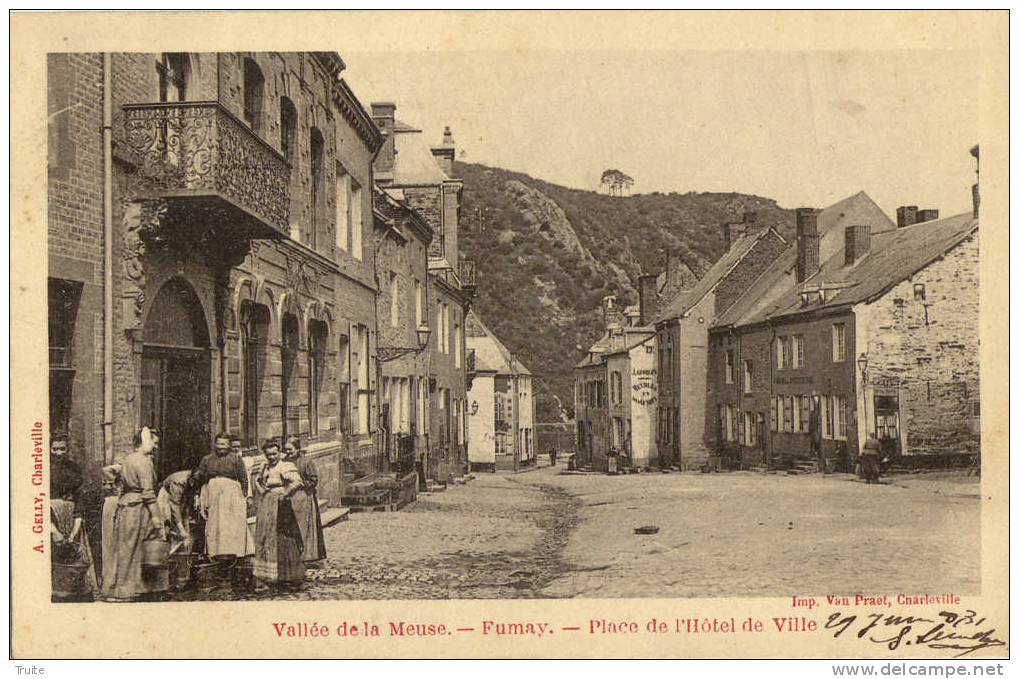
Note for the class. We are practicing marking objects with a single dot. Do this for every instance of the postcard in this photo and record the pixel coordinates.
(455, 334)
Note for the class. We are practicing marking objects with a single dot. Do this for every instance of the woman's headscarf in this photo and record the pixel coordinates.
(143, 441)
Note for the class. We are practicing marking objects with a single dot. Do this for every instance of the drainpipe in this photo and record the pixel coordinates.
(107, 260)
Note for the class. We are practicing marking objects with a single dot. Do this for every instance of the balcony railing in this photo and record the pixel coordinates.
(467, 273)
(201, 150)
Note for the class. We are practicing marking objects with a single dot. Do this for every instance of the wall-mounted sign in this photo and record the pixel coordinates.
(644, 386)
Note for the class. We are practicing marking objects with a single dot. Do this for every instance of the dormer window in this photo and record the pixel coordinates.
(919, 292)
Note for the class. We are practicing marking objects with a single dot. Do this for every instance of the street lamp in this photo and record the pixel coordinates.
(861, 363)
(424, 333)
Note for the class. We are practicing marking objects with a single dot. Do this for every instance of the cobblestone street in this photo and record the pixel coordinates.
(546, 533)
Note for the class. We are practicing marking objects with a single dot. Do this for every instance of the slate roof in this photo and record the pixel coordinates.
(414, 163)
(894, 256)
(730, 258)
(780, 276)
(490, 355)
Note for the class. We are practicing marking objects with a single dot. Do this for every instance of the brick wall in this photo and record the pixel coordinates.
(747, 270)
(926, 352)
(75, 232)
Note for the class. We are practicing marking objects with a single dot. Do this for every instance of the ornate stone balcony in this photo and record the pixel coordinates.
(202, 158)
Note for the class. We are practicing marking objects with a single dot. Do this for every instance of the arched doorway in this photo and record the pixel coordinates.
(176, 377)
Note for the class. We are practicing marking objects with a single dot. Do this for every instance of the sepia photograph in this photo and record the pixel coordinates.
(363, 323)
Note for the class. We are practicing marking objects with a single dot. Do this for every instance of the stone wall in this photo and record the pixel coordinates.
(926, 351)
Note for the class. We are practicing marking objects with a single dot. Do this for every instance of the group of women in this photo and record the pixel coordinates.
(200, 513)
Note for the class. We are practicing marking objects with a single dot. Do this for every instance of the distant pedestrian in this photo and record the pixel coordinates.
(870, 466)
(552, 453)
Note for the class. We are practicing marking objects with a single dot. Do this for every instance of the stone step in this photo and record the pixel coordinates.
(333, 515)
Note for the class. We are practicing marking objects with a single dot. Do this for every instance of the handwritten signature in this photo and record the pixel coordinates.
(961, 632)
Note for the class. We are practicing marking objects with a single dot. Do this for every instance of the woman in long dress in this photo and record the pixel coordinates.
(73, 568)
(222, 502)
(305, 502)
(137, 519)
(112, 486)
(278, 544)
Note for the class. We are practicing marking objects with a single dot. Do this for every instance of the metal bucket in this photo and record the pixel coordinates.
(155, 552)
(68, 579)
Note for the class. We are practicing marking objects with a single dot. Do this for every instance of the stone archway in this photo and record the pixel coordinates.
(176, 376)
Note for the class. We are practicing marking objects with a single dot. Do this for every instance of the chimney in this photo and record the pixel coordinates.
(648, 291)
(384, 117)
(808, 244)
(928, 215)
(732, 232)
(857, 242)
(446, 153)
(611, 313)
(905, 215)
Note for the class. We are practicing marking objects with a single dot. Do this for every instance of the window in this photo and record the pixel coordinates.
(343, 220)
(254, 338)
(174, 71)
(798, 351)
(254, 88)
(838, 342)
(729, 367)
(318, 337)
(457, 358)
(291, 342)
(64, 297)
(804, 413)
(729, 422)
(748, 377)
(839, 413)
(288, 129)
(419, 304)
(343, 358)
(318, 152)
(826, 419)
(919, 292)
(781, 353)
(394, 300)
(749, 429)
(790, 412)
(445, 328)
(363, 381)
(357, 228)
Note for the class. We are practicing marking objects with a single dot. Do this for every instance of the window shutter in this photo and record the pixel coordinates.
(774, 413)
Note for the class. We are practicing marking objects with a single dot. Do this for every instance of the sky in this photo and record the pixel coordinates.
(806, 128)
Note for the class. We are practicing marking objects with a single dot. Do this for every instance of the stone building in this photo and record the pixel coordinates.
(863, 328)
(616, 390)
(500, 403)
(402, 238)
(421, 177)
(224, 219)
(685, 424)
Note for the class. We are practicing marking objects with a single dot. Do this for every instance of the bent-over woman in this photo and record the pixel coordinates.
(278, 544)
